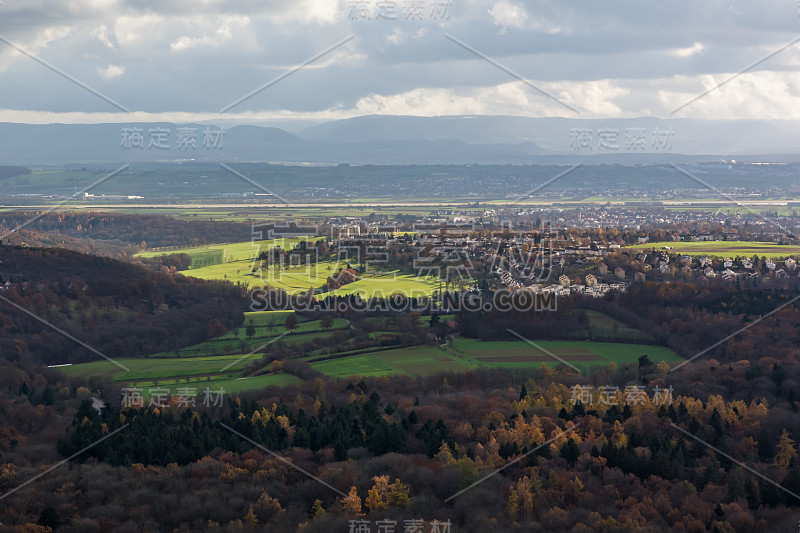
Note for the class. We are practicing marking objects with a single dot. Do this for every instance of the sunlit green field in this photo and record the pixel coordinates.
(724, 248)
(238, 267)
(238, 251)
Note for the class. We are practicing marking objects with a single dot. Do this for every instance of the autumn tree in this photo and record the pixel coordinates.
(291, 322)
(317, 509)
(216, 328)
(398, 495)
(786, 452)
(351, 504)
(520, 501)
(250, 518)
(619, 438)
(376, 496)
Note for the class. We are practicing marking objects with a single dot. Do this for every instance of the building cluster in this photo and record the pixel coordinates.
(662, 265)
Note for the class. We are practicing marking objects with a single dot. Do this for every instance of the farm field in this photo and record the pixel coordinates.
(415, 361)
(268, 326)
(582, 354)
(208, 264)
(465, 354)
(724, 248)
(237, 251)
(146, 372)
(237, 385)
(301, 279)
(218, 363)
(468, 354)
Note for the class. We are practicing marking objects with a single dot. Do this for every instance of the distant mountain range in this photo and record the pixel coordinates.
(409, 140)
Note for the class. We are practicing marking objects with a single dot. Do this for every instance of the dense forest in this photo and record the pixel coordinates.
(402, 448)
(118, 308)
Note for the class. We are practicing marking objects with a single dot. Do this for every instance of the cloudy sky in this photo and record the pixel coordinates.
(186, 60)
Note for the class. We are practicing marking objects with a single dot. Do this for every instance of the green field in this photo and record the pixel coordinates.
(218, 363)
(724, 248)
(582, 354)
(465, 354)
(468, 354)
(207, 263)
(237, 251)
(415, 361)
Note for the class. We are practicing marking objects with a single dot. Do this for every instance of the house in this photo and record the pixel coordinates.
(728, 262)
(746, 263)
(686, 258)
(770, 264)
(98, 404)
(564, 280)
(728, 274)
(705, 261)
(602, 268)
(780, 273)
(709, 272)
(591, 280)
(790, 264)
(639, 276)
(642, 240)
(664, 268)
(619, 272)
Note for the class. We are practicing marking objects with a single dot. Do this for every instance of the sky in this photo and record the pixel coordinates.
(198, 60)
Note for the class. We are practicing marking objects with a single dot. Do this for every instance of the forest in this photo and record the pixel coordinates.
(117, 308)
(400, 448)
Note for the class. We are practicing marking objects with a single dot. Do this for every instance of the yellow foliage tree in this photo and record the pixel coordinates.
(374, 500)
(444, 455)
(317, 509)
(377, 495)
(619, 438)
(520, 501)
(250, 519)
(398, 495)
(351, 504)
(7, 473)
(786, 451)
